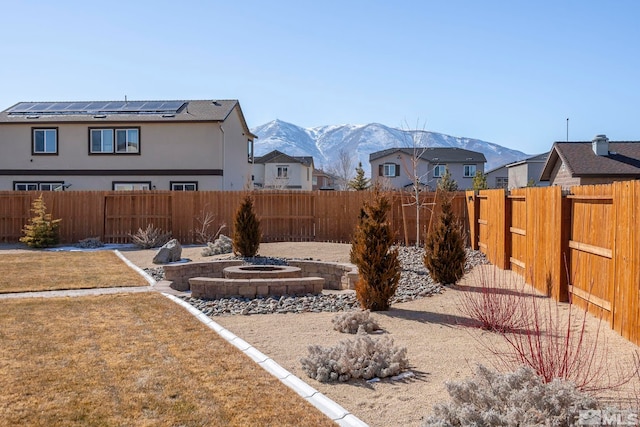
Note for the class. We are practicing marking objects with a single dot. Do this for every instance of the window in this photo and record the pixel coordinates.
(127, 141)
(250, 150)
(283, 171)
(502, 182)
(439, 171)
(130, 186)
(45, 141)
(41, 186)
(389, 169)
(184, 186)
(110, 141)
(102, 140)
(469, 171)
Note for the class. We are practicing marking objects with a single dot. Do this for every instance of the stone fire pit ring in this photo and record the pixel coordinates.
(261, 272)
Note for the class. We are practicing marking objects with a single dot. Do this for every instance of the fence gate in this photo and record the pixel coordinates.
(125, 213)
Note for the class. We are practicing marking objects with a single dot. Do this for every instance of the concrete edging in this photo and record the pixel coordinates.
(327, 406)
(140, 271)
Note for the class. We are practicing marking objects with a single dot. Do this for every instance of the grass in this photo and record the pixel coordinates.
(47, 271)
(135, 360)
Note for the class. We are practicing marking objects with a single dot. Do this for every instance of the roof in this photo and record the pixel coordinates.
(579, 158)
(122, 112)
(279, 157)
(539, 158)
(434, 154)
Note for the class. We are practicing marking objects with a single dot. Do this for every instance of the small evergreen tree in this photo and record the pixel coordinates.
(360, 181)
(447, 183)
(378, 264)
(445, 254)
(246, 229)
(479, 181)
(41, 231)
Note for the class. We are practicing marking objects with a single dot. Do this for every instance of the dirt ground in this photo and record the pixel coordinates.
(439, 346)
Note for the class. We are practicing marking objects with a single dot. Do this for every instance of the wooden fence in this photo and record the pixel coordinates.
(584, 246)
(112, 216)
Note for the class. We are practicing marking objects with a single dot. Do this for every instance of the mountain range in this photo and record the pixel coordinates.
(324, 143)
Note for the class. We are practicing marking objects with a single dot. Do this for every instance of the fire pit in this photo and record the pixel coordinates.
(262, 272)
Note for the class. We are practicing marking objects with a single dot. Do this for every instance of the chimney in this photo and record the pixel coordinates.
(600, 145)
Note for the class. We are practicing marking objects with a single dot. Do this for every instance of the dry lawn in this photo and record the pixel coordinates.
(131, 360)
(28, 271)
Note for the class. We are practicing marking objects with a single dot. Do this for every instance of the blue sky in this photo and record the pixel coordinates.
(509, 72)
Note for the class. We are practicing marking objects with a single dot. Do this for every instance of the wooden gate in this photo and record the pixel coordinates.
(126, 212)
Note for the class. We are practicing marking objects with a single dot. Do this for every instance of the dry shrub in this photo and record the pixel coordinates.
(150, 237)
(363, 357)
(352, 322)
(205, 232)
(519, 398)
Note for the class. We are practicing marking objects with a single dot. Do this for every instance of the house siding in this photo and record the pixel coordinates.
(561, 177)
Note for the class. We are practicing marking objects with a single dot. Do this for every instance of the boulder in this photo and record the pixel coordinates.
(170, 252)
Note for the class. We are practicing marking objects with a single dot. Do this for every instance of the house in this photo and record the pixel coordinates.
(597, 162)
(498, 177)
(323, 180)
(280, 171)
(526, 173)
(125, 145)
(397, 167)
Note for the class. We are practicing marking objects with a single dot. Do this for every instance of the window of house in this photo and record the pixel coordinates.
(469, 171)
(283, 172)
(127, 141)
(38, 186)
(439, 171)
(184, 186)
(101, 140)
(389, 169)
(130, 186)
(45, 141)
(314, 180)
(502, 182)
(250, 150)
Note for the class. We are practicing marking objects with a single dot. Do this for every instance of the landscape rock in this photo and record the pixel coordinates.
(222, 245)
(170, 252)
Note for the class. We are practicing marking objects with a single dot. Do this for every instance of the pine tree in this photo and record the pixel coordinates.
(479, 181)
(447, 183)
(378, 264)
(246, 230)
(445, 254)
(360, 181)
(42, 231)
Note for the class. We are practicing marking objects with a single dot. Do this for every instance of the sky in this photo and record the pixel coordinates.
(509, 72)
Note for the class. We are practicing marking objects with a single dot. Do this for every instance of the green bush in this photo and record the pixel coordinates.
(246, 230)
(41, 231)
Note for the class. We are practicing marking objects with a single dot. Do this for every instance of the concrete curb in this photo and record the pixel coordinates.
(330, 408)
(140, 271)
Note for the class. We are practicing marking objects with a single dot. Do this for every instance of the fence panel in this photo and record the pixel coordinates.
(14, 214)
(519, 260)
(126, 212)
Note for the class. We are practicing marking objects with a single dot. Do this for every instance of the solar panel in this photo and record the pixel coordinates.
(114, 107)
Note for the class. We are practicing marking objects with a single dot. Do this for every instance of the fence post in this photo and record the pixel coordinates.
(473, 213)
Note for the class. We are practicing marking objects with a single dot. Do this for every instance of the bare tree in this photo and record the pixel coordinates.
(342, 169)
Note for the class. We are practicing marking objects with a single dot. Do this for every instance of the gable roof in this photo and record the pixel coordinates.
(539, 158)
(279, 157)
(118, 111)
(623, 159)
(434, 154)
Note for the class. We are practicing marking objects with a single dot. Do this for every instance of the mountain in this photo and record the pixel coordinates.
(324, 143)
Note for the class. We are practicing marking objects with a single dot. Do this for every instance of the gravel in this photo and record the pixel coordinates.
(415, 283)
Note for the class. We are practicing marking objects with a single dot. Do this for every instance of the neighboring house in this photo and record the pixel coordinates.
(498, 177)
(597, 162)
(280, 171)
(526, 173)
(323, 180)
(394, 167)
(125, 145)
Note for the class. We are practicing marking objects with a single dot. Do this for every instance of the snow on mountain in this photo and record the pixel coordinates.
(324, 143)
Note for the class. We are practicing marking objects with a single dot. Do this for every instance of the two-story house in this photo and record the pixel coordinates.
(277, 170)
(399, 167)
(125, 145)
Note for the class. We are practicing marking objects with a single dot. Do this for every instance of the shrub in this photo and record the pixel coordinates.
(445, 254)
(351, 322)
(204, 231)
(378, 264)
(519, 398)
(151, 237)
(494, 301)
(90, 243)
(246, 230)
(41, 231)
(363, 357)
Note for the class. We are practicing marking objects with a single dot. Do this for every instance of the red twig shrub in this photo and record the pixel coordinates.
(378, 264)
